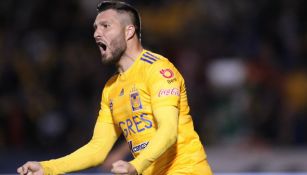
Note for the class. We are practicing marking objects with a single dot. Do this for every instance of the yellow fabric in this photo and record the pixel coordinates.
(143, 103)
(133, 97)
(166, 136)
(92, 154)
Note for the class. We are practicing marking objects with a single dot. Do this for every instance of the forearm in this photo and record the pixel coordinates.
(165, 137)
(87, 156)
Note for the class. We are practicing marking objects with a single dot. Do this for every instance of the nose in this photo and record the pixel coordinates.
(96, 34)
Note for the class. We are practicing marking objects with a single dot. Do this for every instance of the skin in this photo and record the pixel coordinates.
(116, 31)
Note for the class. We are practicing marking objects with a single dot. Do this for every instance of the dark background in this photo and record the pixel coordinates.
(244, 63)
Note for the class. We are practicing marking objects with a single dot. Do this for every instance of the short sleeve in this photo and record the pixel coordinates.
(164, 84)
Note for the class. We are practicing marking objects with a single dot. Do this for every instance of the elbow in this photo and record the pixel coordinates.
(170, 133)
(97, 162)
(173, 139)
(173, 135)
(98, 156)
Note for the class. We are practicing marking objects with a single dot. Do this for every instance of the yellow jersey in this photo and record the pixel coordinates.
(128, 102)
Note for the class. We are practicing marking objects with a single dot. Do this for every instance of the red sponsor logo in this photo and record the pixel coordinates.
(168, 92)
(167, 73)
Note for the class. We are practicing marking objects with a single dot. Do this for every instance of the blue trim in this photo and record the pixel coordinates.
(146, 60)
(151, 55)
(153, 59)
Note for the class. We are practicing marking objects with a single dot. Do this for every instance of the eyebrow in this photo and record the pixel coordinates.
(99, 23)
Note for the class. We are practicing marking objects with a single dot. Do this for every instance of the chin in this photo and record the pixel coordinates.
(107, 61)
(110, 59)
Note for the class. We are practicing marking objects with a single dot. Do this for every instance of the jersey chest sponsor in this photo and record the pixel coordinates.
(169, 92)
(136, 124)
(137, 148)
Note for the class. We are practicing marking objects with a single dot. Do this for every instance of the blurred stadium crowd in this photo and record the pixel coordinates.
(244, 63)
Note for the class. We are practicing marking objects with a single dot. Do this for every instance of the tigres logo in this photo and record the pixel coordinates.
(135, 100)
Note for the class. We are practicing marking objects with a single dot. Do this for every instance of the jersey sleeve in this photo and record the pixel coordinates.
(164, 138)
(91, 154)
(105, 114)
(164, 84)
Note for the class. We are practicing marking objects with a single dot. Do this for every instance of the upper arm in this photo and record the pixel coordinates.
(105, 124)
(105, 114)
(164, 85)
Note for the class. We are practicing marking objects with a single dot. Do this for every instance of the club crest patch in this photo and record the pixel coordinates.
(135, 100)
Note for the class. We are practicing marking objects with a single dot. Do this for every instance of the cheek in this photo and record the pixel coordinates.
(118, 40)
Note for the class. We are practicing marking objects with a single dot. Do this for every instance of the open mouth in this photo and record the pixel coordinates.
(102, 45)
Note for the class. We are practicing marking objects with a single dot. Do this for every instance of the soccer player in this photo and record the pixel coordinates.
(146, 102)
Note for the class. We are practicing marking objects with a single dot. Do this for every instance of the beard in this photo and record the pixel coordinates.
(117, 49)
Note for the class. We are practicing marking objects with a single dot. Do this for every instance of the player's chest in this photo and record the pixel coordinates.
(129, 99)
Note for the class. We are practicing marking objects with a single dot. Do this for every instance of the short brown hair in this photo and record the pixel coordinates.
(122, 6)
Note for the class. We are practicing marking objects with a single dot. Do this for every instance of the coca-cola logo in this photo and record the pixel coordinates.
(169, 92)
(167, 73)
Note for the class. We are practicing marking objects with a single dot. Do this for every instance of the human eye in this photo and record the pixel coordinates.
(106, 26)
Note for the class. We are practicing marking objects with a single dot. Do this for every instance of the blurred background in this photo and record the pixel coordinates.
(244, 63)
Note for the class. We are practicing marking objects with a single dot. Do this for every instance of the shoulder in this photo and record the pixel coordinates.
(153, 61)
(111, 80)
(109, 83)
(162, 68)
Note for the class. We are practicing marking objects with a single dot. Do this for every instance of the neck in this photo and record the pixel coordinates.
(132, 52)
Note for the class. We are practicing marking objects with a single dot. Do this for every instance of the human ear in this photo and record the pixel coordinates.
(130, 31)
